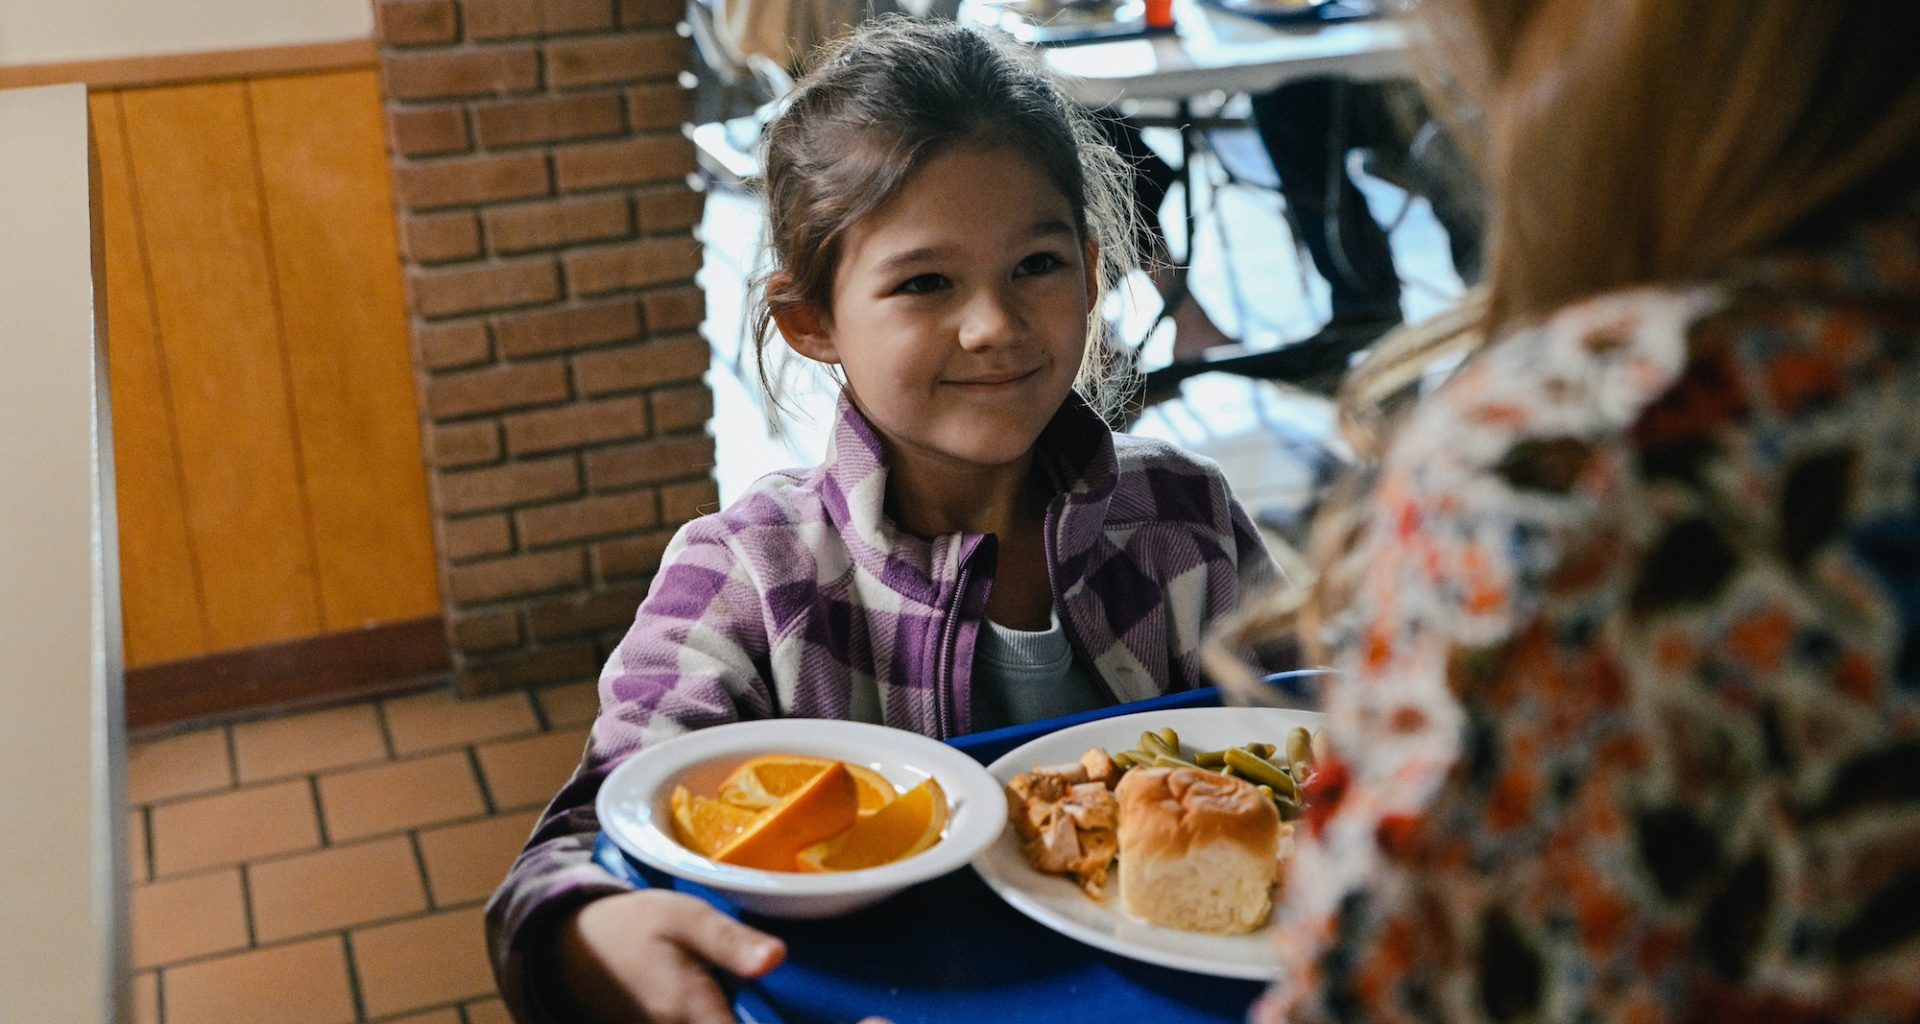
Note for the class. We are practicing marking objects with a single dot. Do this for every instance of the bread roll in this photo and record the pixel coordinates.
(1197, 850)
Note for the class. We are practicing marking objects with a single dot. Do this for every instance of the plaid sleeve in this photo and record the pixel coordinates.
(697, 655)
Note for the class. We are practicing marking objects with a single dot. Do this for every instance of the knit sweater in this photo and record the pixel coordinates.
(803, 599)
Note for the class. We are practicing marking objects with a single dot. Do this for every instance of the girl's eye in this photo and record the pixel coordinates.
(1039, 263)
(923, 284)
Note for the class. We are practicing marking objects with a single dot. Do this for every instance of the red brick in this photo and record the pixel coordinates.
(417, 22)
(519, 576)
(442, 237)
(563, 330)
(634, 556)
(636, 161)
(574, 426)
(674, 309)
(661, 361)
(681, 408)
(453, 445)
(507, 19)
(620, 57)
(549, 225)
(650, 462)
(604, 516)
(583, 614)
(449, 346)
(496, 389)
(472, 180)
(689, 500)
(572, 662)
(648, 13)
(633, 265)
(676, 208)
(428, 131)
(657, 105)
(485, 631)
(447, 74)
(547, 119)
(476, 537)
(516, 483)
(491, 286)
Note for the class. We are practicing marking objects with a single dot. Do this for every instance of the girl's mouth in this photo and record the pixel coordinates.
(992, 381)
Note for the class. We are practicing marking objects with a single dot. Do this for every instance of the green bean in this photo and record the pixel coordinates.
(1172, 740)
(1299, 745)
(1127, 759)
(1289, 810)
(1261, 750)
(1168, 761)
(1214, 759)
(1262, 772)
(1151, 743)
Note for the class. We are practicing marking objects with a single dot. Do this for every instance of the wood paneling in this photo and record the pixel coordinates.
(175, 68)
(325, 179)
(266, 430)
(160, 584)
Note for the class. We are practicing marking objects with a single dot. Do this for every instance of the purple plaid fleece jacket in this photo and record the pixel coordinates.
(802, 591)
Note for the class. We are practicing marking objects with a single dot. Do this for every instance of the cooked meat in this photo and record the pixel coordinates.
(1100, 767)
(1067, 819)
(1091, 806)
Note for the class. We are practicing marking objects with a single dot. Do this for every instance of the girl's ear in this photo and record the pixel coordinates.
(807, 331)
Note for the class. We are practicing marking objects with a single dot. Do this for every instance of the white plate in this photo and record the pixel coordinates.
(1057, 902)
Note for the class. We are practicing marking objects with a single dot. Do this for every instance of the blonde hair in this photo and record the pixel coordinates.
(1627, 142)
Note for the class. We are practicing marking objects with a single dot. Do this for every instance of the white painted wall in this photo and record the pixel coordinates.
(56, 31)
(62, 738)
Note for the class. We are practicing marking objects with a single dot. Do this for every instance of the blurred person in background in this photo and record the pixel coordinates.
(1628, 609)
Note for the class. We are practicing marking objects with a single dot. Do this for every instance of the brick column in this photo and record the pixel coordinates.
(545, 213)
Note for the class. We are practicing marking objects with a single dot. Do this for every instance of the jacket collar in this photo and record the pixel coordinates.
(1076, 447)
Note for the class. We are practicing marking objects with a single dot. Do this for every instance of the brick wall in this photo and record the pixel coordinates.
(545, 217)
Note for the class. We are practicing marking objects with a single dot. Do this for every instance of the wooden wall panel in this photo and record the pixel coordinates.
(330, 222)
(198, 192)
(160, 591)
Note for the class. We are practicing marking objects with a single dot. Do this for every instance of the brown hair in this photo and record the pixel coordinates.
(881, 103)
(1627, 142)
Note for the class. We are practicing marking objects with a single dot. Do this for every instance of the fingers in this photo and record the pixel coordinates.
(720, 940)
(696, 1000)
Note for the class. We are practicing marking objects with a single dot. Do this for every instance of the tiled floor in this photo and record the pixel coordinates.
(330, 866)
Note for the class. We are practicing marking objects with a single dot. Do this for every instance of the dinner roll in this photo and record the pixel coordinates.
(1197, 850)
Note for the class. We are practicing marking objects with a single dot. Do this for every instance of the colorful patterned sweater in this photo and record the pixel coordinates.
(1630, 726)
(801, 599)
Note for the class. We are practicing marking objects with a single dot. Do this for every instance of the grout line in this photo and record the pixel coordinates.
(539, 710)
(386, 728)
(246, 903)
(319, 811)
(353, 977)
(420, 864)
(486, 792)
(160, 994)
(233, 756)
(146, 816)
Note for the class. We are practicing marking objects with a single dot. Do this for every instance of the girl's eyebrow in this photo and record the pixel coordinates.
(1045, 229)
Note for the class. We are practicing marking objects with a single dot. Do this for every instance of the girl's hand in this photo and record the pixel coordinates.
(645, 956)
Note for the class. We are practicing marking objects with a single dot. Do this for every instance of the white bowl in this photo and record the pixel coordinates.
(634, 811)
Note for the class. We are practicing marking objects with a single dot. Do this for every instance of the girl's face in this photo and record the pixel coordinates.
(959, 310)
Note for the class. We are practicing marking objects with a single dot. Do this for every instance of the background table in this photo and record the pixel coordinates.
(950, 951)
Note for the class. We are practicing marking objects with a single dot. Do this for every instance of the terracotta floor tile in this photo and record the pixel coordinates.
(181, 918)
(335, 888)
(193, 762)
(571, 705)
(438, 719)
(298, 983)
(136, 847)
(430, 1017)
(307, 743)
(467, 862)
(146, 998)
(405, 794)
(528, 772)
(488, 1011)
(229, 828)
(423, 962)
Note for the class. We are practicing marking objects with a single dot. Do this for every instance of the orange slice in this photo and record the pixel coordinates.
(908, 825)
(706, 824)
(762, 782)
(827, 805)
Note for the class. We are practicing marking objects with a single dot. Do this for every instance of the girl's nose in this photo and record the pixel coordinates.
(989, 320)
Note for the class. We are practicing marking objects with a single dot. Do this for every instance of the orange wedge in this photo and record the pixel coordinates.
(764, 781)
(827, 805)
(706, 824)
(899, 830)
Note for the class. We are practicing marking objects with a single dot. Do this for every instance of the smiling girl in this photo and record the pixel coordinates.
(978, 549)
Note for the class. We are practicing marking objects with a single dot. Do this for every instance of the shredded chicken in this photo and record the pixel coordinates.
(1069, 818)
